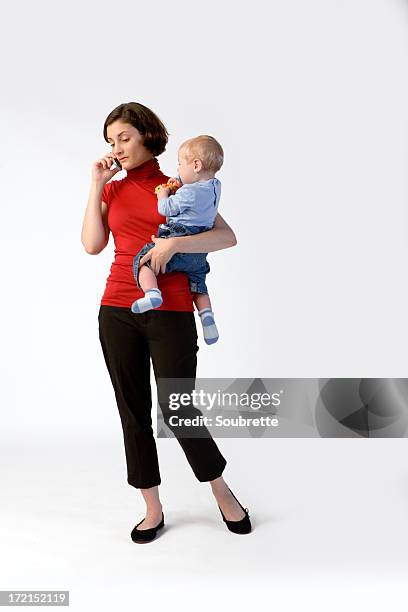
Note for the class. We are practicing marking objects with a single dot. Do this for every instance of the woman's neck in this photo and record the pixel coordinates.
(143, 161)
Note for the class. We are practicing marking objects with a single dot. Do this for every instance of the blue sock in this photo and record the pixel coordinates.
(152, 299)
(209, 328)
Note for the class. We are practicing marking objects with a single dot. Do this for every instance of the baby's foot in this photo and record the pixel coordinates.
(210, 331)
(152, 299)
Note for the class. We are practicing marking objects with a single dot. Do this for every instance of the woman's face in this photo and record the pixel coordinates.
(127, 144)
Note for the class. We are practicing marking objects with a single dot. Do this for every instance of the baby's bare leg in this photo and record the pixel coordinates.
(147, 278)
(202, 300)
(153, 297)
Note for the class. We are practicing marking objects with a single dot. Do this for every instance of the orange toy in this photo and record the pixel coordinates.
(173, 184)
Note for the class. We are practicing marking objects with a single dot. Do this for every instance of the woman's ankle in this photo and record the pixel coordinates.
(219, 486)
(154, 509)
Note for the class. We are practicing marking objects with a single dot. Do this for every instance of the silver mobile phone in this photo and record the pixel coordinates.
(117, 163)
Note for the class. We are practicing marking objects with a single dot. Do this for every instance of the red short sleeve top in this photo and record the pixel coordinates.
(132, 218)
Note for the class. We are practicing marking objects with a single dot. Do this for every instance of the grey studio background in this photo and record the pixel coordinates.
(309, 101)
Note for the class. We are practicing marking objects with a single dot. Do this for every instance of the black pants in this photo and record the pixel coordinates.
(128, 342)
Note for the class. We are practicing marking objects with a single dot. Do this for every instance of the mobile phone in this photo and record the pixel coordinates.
(117, 163)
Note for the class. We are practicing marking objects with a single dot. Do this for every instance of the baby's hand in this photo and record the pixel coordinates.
(157, 189)
(171, 187)
(162, 191)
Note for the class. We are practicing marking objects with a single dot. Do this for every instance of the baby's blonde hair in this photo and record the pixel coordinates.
(205, 148)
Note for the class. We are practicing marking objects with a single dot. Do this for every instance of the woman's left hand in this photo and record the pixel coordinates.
(159, 255)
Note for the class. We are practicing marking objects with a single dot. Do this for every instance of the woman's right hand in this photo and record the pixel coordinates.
(101, 169)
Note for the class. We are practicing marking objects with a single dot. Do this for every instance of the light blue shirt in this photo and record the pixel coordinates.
(193, 204)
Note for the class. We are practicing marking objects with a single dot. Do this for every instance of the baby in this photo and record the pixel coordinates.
(191, 210)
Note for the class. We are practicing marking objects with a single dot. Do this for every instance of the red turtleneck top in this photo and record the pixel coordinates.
(132, 218)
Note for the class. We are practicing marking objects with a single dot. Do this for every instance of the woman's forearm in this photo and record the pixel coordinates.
(93, 236)
(220, 237)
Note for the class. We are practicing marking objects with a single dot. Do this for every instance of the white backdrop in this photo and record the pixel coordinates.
(308, 100)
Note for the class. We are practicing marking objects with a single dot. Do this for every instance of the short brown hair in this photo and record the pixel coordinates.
(145, 121)
(205, 148)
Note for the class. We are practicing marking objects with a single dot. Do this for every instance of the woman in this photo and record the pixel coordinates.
(167, 335)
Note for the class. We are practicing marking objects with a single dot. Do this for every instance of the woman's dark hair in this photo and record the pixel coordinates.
(155, 135)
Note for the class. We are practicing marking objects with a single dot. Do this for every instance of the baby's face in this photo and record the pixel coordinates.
(186, 169)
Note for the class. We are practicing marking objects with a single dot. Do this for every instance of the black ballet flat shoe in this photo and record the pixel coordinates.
(146, 535)
(242, 526)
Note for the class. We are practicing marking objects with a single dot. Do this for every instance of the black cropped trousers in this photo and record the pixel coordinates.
(169, 339)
